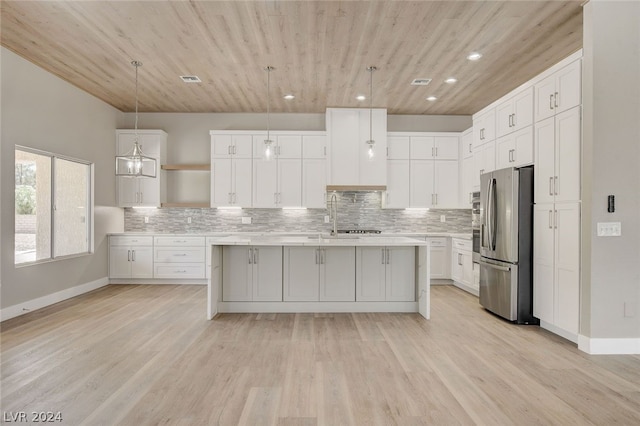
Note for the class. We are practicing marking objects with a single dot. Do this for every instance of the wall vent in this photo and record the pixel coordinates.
(420, 81)
(190, 79)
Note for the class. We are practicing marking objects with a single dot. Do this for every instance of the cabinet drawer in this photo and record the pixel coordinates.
(126, 240)
(437, 242)
(461, 244)
(179, 255)
(179, 241)
(179, 270)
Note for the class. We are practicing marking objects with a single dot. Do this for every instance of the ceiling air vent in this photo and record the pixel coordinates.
(190, 79)
(420, 81)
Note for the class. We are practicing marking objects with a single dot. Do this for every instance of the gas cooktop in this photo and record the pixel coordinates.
(359, 231)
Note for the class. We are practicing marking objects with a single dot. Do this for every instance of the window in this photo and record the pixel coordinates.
(53, 204)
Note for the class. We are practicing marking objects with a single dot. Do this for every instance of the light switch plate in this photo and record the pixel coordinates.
(327, 219)
(246, 220)
(609, 229)
(443, 218)
(146, 219)
(189, 219)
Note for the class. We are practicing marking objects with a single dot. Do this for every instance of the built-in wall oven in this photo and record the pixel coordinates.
(475, 225)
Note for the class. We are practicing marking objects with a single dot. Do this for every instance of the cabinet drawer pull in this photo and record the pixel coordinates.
(550, 219)
(388, 256)
(550, 185)
(133, 255)
(551, 101)
(383, 259)
(555, 100)
(179, 254)
(555, 185)
(255, 256)
(250, 255)
(128, 255)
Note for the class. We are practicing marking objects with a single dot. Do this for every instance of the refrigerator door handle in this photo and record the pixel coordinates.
(498, 267)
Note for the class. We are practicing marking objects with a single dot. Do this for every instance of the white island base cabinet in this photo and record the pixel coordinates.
(332, 276)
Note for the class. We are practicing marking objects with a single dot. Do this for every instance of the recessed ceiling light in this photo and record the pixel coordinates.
(451, 80)
(420, 81)
(361, 97)
(190, 79)
(474, 56)
(431, 98)
(289, 96)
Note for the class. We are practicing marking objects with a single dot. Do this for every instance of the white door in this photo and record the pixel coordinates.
(221, 146)
(504, 118)
(149, 191)
(314, 146)
(314, 183)
(398, 186)
(142, 262)
(120, 262)
(289, 146)
(127, 191)
(422, 183)
(467, 268)
(237, 265)
(456, 265)
(543, 262)
(567, 155)
(421, 147)
(370, 274)
(446, 184)
(523, 147)
(522, 110)
(567, 265)
(242, 146)
(265, 183)
(221, 182)
(337, 273)
(267, 274)
(401, 274)
(446, 147)
(289, 182)
(569, 86)
(467, 182)
(439, 263)
(505, 146)
(544, 171)
(301, 268)
(242, 182)
(544, 99)
(397, 148)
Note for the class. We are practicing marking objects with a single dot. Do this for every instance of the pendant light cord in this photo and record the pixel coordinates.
(268, 69)
(371, 69)
(136, 64)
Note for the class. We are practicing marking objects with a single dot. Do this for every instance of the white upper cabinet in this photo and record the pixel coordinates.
(314, 171)
(277, 181)
(422, 147)
(283, 146)
(466, 143)
(397, 195)
(347, 133)
(559, 92)
(231, 169)
(397, 147)
(515, 149)
(314, 146)
(142, 191)
(515, 113)
(484, 127)
(231, 146)
(445, 147)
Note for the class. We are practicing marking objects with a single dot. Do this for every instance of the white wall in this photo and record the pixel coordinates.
(610, 305)
(42, 111)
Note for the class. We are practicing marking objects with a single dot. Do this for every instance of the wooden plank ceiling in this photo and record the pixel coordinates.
(320, 50)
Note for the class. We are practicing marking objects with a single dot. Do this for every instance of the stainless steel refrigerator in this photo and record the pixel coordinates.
(506, 244)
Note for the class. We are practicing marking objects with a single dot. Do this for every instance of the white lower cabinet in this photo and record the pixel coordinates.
(556, 266)
(314, 274)
(385, 274)
(130, 257)
(461, 263)
(440, 264)
(177, 257)
(251, 274)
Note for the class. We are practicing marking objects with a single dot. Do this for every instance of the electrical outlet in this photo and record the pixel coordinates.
(443, 218)
(189, 219)
(246, 220)
(146, 219)
(327, 219)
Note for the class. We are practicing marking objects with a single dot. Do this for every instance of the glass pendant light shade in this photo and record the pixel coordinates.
(371, 144)
(268, 148)
(134, 163)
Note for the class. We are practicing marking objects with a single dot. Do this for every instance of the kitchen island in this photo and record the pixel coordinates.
(318, 273)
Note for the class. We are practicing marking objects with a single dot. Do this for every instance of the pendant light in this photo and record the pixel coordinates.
(135, 163)
(269, 149)
(371, 153)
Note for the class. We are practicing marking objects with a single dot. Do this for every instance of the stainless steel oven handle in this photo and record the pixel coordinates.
(498, 267)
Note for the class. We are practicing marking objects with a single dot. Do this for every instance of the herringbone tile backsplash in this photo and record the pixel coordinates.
(355, 210)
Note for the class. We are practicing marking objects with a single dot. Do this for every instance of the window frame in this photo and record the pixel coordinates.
(89, 217)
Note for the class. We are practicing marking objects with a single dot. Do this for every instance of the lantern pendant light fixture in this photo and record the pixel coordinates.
(135, 163)
(269, 149)
(371, 153)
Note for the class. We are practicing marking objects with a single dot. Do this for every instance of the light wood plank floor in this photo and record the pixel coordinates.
(145, 355)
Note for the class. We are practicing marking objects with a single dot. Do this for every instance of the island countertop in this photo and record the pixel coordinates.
(317, 240)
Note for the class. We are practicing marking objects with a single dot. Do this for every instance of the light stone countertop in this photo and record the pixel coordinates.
(318, 240)
(385, 235)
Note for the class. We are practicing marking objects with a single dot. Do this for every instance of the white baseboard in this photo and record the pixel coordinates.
(596, 346)
(325, 307)
(158, 281)
(41, 302)
(467, 288)
(559, 331)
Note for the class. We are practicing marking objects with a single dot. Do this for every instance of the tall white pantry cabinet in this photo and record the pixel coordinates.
(556, 255)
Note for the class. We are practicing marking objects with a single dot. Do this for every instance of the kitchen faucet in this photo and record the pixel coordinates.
(333, 213)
